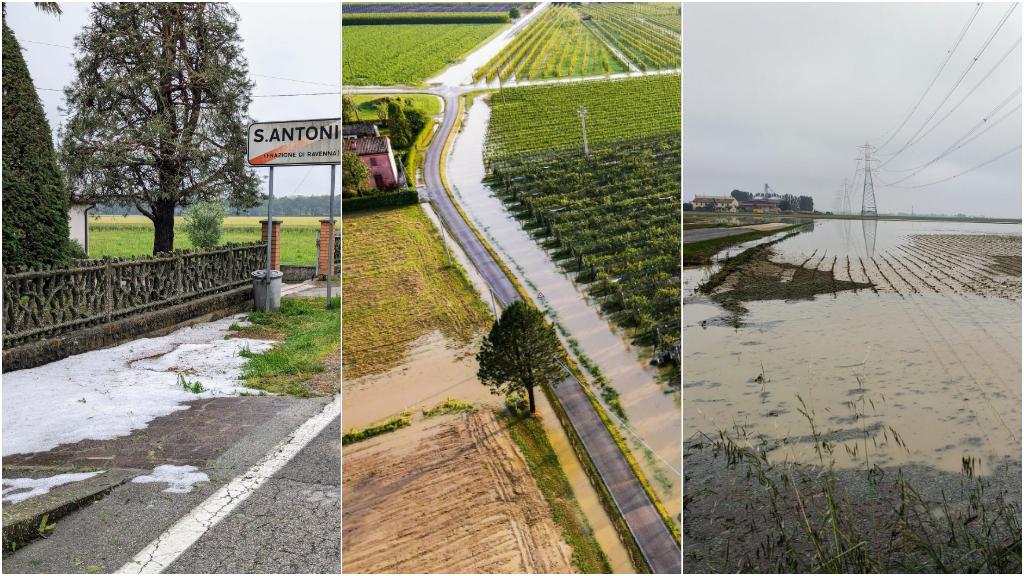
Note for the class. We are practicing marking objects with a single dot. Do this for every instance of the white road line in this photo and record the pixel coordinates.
(163, 551)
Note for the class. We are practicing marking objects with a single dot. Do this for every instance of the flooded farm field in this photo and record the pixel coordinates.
(652, 409)
(842, 362)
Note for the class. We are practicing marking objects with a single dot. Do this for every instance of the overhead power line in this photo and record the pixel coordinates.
(332, 85)
(288, 95)
(963, 141)
(964, 99)
(286, 79)
(970, 65)
(982, 165)
(949, 55)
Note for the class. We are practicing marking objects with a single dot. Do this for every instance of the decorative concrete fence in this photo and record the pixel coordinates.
(55, 302)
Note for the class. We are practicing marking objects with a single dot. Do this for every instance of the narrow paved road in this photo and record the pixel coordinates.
(288, 524)
(710, 233)
(657, 544)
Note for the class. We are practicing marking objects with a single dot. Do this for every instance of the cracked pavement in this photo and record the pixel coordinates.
(290, 524)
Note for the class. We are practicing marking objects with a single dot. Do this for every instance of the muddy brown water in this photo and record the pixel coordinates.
(653, 412)
(939, 367)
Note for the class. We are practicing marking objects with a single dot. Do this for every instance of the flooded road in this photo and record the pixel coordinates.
(652, 410)
(924, 368)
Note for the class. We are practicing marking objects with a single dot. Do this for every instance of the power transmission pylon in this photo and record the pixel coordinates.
(868, 207)
(583, 119)
(846, 196)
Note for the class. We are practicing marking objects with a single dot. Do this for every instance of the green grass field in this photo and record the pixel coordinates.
(366, 104)
(406, 53)
(133, 236)
(397, 287)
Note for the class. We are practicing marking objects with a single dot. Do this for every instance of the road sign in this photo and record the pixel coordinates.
(294, 143)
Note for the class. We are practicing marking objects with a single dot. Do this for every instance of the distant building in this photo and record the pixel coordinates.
(760, 206)
(715, 203)
(359, 130)
(375, 152)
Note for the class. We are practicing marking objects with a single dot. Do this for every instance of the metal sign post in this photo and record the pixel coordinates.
(270, 238)
(330, 242)
(295, 143)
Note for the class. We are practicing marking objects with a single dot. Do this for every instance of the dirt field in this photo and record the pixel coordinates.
(449, 494)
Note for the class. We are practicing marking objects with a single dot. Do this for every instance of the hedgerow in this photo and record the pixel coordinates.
(373, 19)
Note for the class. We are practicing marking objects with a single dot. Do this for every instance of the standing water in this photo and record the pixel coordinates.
(931, 354)
(653, 411)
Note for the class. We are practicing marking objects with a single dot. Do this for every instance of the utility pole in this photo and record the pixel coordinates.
(583, 119)
(868, 207)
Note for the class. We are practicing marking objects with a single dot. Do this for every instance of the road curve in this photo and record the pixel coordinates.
(656, 543)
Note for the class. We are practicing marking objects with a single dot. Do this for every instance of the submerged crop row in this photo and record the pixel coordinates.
(612, 218)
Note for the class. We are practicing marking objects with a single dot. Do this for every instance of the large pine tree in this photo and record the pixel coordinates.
(35, 206)
(158, 111)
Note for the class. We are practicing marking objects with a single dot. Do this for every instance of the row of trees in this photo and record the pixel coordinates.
(157, 117)
(786, 201)
(283, 206)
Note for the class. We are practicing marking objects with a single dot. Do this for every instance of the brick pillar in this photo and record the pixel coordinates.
(325, 245)
(275, 244)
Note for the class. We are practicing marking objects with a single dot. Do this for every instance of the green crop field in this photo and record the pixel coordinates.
(577, 40)
(633, 30)
(556, 44)
(611, 217)
(133, 236)
(383, 55)
(533, 118)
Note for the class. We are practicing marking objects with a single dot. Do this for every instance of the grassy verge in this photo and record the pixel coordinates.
(819, 517)
(418, 152)
(366, 104)
(529, 436)
(701, 251)
(133, 236)
(449, 406)
(398, 287)
(389, 425)
(300, 364)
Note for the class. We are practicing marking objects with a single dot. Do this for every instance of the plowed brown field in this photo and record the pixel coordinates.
(449, 494)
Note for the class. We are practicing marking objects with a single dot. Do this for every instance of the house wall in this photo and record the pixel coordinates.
(385, 168)
(78, 225)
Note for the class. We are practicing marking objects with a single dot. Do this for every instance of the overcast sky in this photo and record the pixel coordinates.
(299, 41)
(784, 93)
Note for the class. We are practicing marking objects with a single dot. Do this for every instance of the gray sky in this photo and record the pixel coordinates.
(784, 93)
(300, 41)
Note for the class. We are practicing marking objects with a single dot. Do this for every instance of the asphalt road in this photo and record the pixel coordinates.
(657, 544)
(709, 233)
(290, 524)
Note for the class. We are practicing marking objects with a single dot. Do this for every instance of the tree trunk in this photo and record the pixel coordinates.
(163, 226)
(533, 405)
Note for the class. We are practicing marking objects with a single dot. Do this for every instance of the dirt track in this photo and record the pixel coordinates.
(448, 494)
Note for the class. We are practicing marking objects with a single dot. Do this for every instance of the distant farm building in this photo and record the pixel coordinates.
(359, 130)
(715, 204)
(375, 152)
(760, 206)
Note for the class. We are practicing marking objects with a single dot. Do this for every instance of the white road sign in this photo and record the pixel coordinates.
(294, 143)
